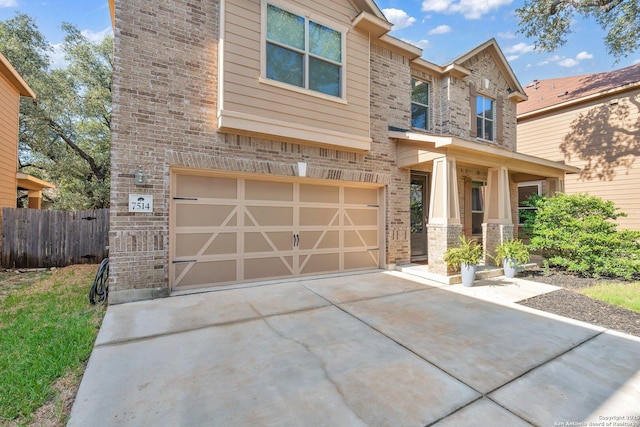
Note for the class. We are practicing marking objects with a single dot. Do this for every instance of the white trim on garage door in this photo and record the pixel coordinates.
(228, 229)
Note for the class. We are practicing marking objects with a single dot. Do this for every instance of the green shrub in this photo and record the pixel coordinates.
(513, 250)
(576, 232)
(468, 252)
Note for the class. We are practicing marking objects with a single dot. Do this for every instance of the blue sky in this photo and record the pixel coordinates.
(444, 29)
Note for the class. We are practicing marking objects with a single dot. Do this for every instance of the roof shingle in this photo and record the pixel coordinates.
(547, 93)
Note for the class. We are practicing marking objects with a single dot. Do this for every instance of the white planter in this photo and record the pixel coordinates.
(510, 267)
(468, 274)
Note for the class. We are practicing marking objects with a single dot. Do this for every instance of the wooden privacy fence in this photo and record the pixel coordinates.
(33, 238)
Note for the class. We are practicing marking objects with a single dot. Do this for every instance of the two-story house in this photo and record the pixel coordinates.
(271, 139)
(591, 121)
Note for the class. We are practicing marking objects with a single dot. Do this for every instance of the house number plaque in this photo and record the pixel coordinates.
(140, 203)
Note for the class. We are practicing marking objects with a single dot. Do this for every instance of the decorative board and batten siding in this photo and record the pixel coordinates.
(9, 108)
(601, 138)
(246, 95)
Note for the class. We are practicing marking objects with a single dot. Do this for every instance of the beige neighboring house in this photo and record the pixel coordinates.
(12, 87)
(282, 138)
(592, 122)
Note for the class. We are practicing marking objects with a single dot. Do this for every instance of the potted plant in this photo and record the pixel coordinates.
(512, 254)
(464, 258)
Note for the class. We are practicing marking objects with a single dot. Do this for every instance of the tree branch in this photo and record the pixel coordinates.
(92, 163)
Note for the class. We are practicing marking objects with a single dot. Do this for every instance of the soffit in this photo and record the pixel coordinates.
(481, 154)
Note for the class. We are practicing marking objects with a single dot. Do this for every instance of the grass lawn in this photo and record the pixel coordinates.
(625, 295)
(47, 331)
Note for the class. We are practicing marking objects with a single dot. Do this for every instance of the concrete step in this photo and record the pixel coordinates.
(483, 272)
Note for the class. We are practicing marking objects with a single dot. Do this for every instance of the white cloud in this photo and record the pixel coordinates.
(422, 44)
(94, 37)
(568, 63)
(440, 29)
(508, 35)
(436, 5)
(637, 61)
(520, 48)
(555, 58)
(584, 55)
(513, 57)
(8, 3)
(399, 18)
(470, 9)
(57, 56)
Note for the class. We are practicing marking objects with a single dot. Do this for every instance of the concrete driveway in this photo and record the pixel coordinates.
(376, 349)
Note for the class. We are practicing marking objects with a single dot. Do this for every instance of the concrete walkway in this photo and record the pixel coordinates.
(376, 349)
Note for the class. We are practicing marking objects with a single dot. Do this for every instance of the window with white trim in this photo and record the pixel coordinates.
(419, 104)
(485, 118)
(303, 53)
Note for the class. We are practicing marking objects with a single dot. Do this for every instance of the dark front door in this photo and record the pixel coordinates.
(419, 204)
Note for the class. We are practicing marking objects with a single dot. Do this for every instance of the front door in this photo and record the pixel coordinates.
(419, 205)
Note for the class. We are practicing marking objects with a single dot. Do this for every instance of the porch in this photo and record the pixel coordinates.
(466, 188)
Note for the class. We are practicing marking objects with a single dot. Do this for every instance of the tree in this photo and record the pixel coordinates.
(65, 131)
(549, 22)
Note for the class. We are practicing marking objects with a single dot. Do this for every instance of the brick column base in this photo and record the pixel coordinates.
(440, 238)
(492, 236)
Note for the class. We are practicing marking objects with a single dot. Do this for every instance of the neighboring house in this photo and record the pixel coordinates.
(12, 87)
(283, 138)
(590, 121)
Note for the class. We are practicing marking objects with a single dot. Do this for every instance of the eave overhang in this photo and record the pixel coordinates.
(417, 148)
(371, 24)
(263, 127)
(28, 182)
(16, 80)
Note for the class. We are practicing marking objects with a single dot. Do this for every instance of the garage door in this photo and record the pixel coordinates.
(228, 230)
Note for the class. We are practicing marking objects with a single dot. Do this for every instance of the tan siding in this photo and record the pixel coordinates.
(9, 107)
(599, 137)
(244, 93)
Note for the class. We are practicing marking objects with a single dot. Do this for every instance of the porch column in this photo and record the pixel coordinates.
(498, 224)
(35, 199)
(444, 228)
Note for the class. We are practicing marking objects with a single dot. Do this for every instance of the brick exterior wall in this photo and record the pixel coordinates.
(164, 115)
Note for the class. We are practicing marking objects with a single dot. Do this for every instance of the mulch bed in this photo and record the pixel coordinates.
(569, 302)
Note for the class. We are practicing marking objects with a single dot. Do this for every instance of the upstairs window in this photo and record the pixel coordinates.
(485, 117)
(303, 53)
(419, 104)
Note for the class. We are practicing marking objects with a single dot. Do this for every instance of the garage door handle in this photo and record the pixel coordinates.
(373, 206)
(296, 240)
(185, 198)
(184, 261)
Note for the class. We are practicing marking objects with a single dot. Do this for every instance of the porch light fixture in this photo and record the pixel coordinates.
(302, 169)
(139, 177)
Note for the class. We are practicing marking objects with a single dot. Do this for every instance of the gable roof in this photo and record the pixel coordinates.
(7, 70)
(494, 50)
(546, 94)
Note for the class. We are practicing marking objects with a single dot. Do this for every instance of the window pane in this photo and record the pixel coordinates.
(488, 130)
(525, 192)
(284, 27)
(488, 108)
(479, 105)
(285, 65)
(479, 127)
(420, 92)
(325, 42)
(324, 77)
(419, 116)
